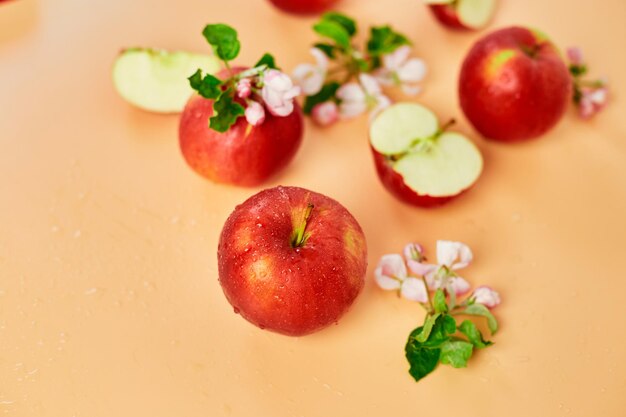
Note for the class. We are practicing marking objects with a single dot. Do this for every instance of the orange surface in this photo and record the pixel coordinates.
(109, 300)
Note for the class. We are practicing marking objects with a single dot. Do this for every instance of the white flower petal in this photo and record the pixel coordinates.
(382, 102)
(393, 266)
(486, 296)
(421, 269)
(370, 85)
(390, 272)
(459, 285)
(308, 78)
(385, 282)
(448, 252)
(351, 92)
(413, 71)
(414, 289)
(599, 96)
(348, 109)
(320, 58)
(394, 60)
(465, 256)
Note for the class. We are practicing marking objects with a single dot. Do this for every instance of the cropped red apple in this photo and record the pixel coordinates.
(291, 260)
(244, 155)
(463, 14)
(514, 85)
(419, 162)
(304, 6)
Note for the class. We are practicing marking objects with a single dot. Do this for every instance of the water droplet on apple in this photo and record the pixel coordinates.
(259, 225)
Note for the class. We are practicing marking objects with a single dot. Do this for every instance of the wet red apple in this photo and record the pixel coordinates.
(304, 6)
(291, 260)
(244, 155)
(419, 162)
(514, 85)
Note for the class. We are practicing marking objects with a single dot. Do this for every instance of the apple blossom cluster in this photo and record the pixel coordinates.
(354, 84)
(259, 88)
(438, 288)
(591, 96)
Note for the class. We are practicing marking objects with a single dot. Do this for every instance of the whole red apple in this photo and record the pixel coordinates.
(304, 6)
(514, 85)
(419, 162)
(291, 260)
(463, 14)
(244, 155)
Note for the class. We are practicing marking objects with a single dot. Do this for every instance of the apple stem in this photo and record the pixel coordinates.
(445, 127)
(299, 237)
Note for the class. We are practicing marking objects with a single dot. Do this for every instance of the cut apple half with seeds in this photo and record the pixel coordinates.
(431, 161)
(157, 80)
(473, 14)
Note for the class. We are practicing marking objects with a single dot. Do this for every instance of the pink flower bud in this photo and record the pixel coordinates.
(575, 55)
(244, 88)
(255, 114)
(326, 113)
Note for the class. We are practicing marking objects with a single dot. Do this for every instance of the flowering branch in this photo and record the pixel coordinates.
(262, 86)
(590, 96)
(353, 85)
(439, 339)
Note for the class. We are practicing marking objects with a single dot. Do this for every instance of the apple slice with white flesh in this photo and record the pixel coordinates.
(463, 14)
(156, 80)
(418, 161)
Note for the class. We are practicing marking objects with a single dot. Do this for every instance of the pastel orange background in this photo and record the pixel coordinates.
(109, 299)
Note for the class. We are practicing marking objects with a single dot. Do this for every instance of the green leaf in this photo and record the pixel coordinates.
(267, 60)
(481, 310)
(456, 353)
(439, 302)
(422, 360)
(226, 112)
(474, 335)
(207, 86)
(384, 40)
(449, 324)
(326, 93)
(334, 31)
(427, 328)
(577, 70)
(223, 39)
(348, 24)
(327, 48)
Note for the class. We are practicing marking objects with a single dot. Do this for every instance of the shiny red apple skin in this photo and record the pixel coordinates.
(447, 15)
(304, 7)
(245, 155)
(517, 98)
(293, 291)
(394, 183)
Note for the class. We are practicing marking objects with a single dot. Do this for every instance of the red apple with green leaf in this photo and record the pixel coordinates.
(291, 260)
(514, 85)
(463, 14)
(244, 125)
(304, 6)
(418, 161)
